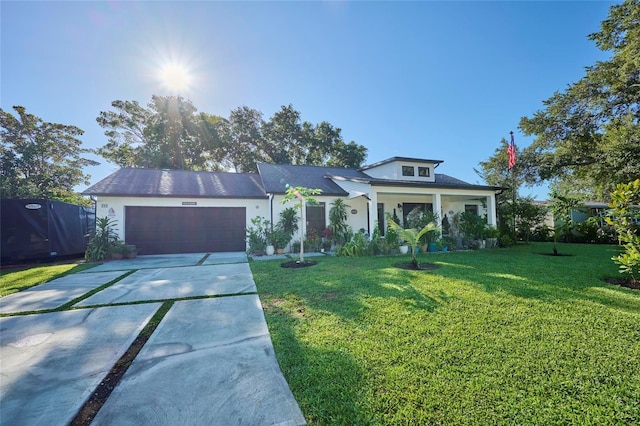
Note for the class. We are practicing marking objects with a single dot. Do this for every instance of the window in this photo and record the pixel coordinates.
(316, 217)
(408, 171)
(471, 208)
(423, 171)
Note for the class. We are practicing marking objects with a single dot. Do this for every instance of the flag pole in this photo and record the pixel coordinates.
(512, 166)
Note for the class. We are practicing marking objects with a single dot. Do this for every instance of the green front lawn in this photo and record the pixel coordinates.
(14, 280)
(503, 336)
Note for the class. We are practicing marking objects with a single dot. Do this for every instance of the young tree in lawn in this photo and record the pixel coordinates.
(304, 197)
(412, 236)
(41, 159)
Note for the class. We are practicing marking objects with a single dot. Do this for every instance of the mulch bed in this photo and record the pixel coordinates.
(622, 282)
(297, 264)
(421, 266)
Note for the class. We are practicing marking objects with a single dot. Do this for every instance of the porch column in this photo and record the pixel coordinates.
(372, 203)
(491, 210)
(437, 207)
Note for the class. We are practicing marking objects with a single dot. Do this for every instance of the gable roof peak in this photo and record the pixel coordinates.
(404, 159)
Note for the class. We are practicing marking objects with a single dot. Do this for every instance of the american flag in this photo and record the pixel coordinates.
(512, 153)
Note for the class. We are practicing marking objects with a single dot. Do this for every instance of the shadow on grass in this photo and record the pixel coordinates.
(522, 272)
(342, 286)
(325, 395)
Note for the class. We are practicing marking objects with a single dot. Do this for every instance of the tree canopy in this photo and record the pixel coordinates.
(40, 159)
(167, 134)
(588, 136)
(170, 134)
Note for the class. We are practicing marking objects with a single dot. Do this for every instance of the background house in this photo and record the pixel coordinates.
(170, 211)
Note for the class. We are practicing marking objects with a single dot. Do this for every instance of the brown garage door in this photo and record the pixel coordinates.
(156, 230)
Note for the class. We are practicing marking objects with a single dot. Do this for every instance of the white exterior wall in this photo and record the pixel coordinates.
(355, 220)
(393, 170)
(104, 206)
(451, 200)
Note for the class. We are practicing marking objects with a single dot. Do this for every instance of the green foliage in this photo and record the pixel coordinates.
(588, 135)
(286, 139)
(625, 217)
(412, 236)
(338, 221)
(528, 216)
(258, 234)
(472, 226)
(18, 279)
(592, 231)
(41, 159)
(495, 171)
(301, 196)
(104, 241)
(418, 219)
(357, 246)
(542, 233)
(288, 221)
(391, 238)
(561, 206)
(169, 133)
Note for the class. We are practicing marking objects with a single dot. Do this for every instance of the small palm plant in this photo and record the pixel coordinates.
(412, 236)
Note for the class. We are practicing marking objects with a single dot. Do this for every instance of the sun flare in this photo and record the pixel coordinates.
(175, 77)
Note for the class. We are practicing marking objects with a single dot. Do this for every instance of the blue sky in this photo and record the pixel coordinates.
(439, 80)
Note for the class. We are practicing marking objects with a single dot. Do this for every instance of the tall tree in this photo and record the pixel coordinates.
(289, 140)
(242, 138)
(286, 137)
(40, 159)
(589, 135)
(168, 133)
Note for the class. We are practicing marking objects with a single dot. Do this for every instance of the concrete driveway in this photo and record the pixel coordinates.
(209, 362)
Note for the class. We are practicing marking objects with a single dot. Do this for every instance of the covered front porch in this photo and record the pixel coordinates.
(442, 202)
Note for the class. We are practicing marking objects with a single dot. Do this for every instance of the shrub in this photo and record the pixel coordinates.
(338, 221)
(103, 241)
(257, 234)
(624, 217)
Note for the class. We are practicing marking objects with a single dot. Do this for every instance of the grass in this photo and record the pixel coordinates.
(15, 280)
(504, 336)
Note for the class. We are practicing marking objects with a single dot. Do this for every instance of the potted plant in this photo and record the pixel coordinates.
(131, 251)
(118, 250)
(492, 234)
(280, 239)
(270, 250)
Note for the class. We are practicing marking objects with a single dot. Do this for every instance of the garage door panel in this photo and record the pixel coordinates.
(156, 230)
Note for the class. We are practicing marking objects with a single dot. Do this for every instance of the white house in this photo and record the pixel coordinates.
(172, 211)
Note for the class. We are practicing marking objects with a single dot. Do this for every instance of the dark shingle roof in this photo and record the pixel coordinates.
(442, 181)
(178, 183)
(276, 176)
